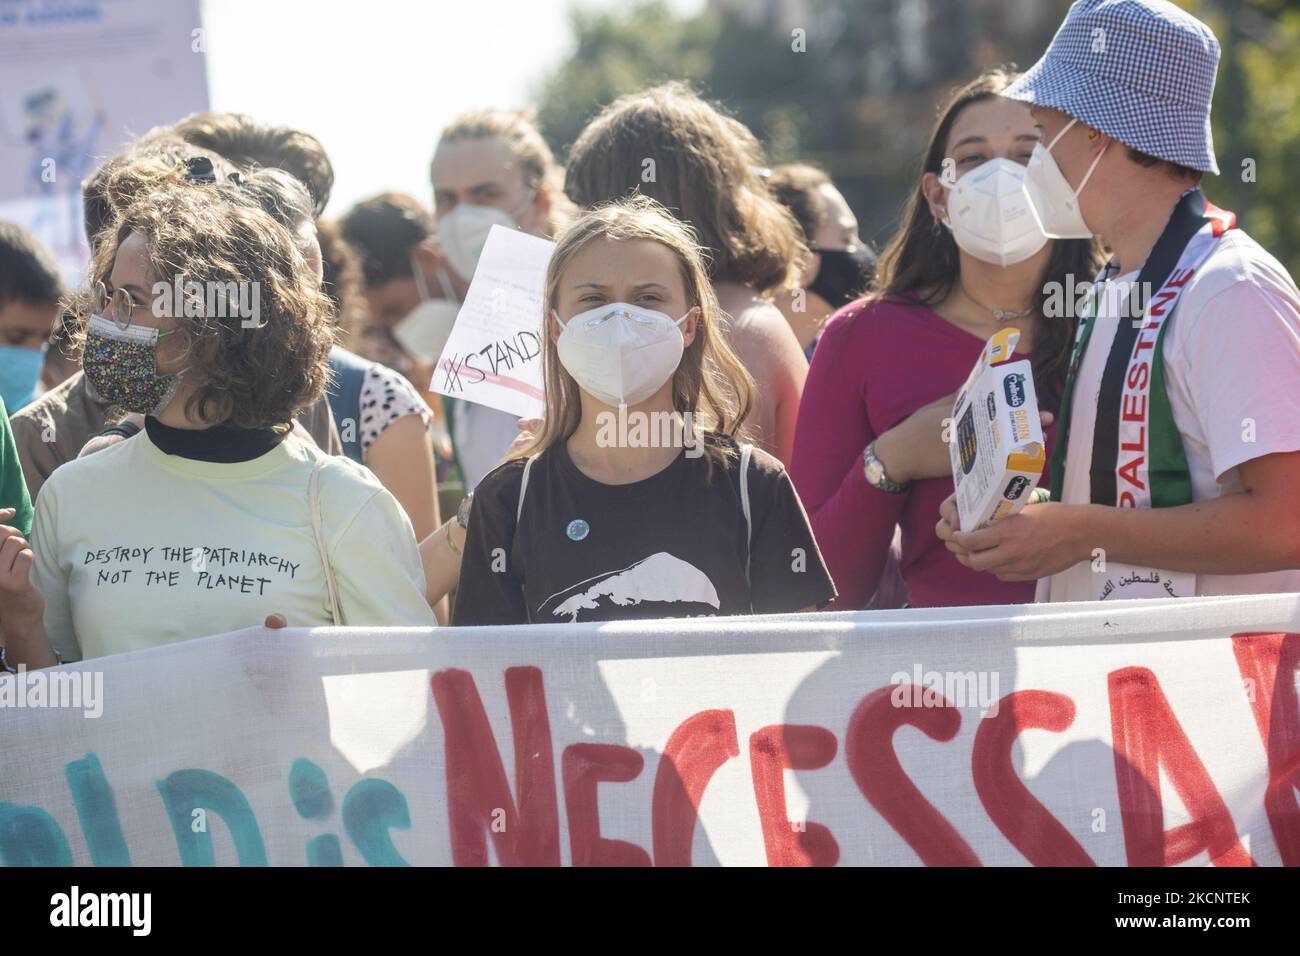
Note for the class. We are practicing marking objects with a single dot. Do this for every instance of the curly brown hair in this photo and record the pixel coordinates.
(155, 160)
(705, 171)
(343, 283)
(251, 144)
(217, 235)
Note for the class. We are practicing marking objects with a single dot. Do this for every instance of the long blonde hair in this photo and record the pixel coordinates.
(710, 382)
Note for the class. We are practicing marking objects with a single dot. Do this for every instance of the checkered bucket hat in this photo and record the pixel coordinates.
(1141, 71)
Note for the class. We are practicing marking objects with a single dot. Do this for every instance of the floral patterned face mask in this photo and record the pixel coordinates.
(121, 367)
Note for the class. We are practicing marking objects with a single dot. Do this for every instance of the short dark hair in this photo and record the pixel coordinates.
(383, 230)
(28, 271)
(795, 186)
(282, 195)
(250, 144)
(1175, 170)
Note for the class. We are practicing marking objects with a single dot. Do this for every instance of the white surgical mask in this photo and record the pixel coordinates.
(621, 354)
(989, 214)
(464, 230)
(424, 331)
(1054, 203)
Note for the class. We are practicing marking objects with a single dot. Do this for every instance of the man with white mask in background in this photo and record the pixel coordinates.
(491, 167)
(1177, 460)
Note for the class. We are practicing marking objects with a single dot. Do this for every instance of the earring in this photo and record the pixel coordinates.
(935, 229)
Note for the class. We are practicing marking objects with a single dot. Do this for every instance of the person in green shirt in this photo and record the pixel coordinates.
(13, 490)
(20, 606)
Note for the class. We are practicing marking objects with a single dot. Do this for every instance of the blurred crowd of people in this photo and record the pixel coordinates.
(231, 420)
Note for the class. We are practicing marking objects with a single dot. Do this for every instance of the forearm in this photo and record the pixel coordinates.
(25, 642)
(1234, 534)
(402, 459)
(795, 376)
(440, 554)
(896, 453)
(787, 416)
(854, 529)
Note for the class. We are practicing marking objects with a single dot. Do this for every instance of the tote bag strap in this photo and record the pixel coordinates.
(313, 503)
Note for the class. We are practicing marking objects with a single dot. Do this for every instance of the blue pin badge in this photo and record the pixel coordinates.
(577, 529)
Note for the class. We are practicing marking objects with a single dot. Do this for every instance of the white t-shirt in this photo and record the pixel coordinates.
(137, 548)
(1232, 373)
(483, 436)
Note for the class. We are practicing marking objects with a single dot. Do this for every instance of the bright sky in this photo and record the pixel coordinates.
(375, 80)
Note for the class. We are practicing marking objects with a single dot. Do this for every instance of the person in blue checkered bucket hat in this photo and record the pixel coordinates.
(1178, 438)
(1135, 72)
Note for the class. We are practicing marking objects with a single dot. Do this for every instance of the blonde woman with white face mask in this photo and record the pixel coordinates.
(707, 169)
(638, 497)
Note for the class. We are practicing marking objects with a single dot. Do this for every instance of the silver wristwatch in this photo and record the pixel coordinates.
(875, 472)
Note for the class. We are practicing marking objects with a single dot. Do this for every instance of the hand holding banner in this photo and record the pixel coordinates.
(1150, 733)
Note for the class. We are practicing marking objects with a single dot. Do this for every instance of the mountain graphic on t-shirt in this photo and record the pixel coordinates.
(658, 586)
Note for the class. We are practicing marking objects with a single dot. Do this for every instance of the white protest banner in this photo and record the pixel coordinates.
(71, 80)
(494, 354)
(1155, 732)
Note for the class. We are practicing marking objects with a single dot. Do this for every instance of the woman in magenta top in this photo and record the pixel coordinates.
(968, 260)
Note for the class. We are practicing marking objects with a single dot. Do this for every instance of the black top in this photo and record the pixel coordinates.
(671, 545)
(220, 443)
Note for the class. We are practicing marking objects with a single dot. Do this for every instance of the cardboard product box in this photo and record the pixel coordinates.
(997, 439)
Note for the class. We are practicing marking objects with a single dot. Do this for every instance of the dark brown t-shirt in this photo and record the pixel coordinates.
(672, 545)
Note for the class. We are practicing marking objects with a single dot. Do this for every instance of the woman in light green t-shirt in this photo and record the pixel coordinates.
(205, 318)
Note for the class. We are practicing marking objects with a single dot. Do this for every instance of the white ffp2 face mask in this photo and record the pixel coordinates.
(1054, 202)
(989, 214)
(621, 354)
(463, 232)
(424, 331)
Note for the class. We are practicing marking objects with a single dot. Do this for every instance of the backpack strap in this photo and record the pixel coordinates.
(523, 487)
(746, 452)
(346, 381)
(519, 516)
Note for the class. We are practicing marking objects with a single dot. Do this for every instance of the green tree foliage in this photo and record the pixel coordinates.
(1256, 119)
(617, 53)
(828, 82)
(853, 86)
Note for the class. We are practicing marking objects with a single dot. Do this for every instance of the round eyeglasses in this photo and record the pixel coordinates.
(117, 305)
